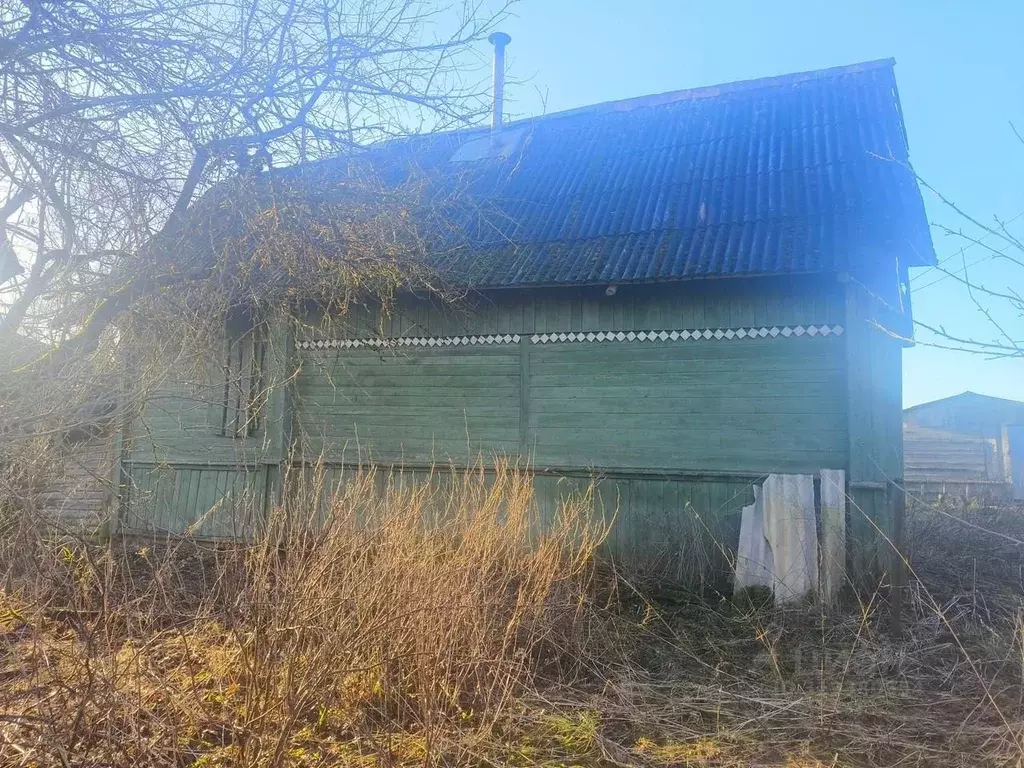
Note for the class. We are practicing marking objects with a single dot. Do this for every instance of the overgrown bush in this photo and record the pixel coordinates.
(383, 626)
(447, 623)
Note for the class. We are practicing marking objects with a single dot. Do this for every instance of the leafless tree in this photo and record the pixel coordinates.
(116, 117)
(132, 130)
(1001, 306)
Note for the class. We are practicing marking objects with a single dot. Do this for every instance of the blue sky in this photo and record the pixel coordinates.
(960, 71)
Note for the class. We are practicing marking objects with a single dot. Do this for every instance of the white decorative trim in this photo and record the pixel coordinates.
(694, 334)
(412, 341)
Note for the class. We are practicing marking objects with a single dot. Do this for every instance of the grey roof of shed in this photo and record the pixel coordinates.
(968, 396)
(803, 173)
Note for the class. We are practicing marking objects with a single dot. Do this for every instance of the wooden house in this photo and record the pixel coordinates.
(676, 295)
(968, 443)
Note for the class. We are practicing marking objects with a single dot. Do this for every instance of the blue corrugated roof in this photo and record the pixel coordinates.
(792, 174)
(795, 174)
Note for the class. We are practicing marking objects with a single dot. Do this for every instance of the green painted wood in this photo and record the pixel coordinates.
(178, 425)
(728, 408)
(693, 405)
(682, 530)
(701, 405)
(525, 378)
(874, 401)
(701, 303)
(180, 422)
(686, 402)
(208, 502)
(419, 405)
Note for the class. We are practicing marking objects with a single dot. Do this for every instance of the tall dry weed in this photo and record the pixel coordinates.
(379, 627)
(449, 622)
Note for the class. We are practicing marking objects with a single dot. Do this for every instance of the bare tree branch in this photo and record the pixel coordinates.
(1002, 308)
(120, 116)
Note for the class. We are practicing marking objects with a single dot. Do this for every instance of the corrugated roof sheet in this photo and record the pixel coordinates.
(801, 173)
(793, 174)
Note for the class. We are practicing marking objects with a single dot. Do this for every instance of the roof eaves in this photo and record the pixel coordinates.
(661, 280)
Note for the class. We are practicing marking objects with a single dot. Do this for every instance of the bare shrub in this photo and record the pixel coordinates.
(447, 623)
(406, 616)
(969, 548)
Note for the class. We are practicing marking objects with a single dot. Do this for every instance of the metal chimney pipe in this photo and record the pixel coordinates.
(499, 40)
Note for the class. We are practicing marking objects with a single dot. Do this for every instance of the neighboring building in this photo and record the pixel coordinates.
(967, 443)
(72, 482)
(678, 294)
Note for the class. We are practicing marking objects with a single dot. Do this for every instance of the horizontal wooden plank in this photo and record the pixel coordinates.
(468, 364)
(409, 451)
(729, 302)
(414, 354)
(623, 390)
(949, 449)
(693, 456)
(373, 434)
(432, 369)
(735, 438)
(367, 381)
(639, 366)
(426, 392)
(617, 424)
(736, 349)
(717, 461)
(552, 401)
(750, 374)
(506, 399)
(395, 431)
(408, 414)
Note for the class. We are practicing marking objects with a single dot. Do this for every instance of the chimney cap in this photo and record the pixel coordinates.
(500, 39)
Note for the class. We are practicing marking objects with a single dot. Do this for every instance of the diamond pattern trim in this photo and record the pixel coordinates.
(692, 334)
(412, 341)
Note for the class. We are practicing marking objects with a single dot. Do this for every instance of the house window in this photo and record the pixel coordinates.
(244, 378)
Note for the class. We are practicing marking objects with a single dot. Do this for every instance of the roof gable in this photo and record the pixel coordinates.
(969, 397)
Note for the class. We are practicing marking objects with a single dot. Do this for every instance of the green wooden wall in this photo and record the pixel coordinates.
(721, 303)
(412, 406)
(205, 501)
(746, 406)
(731, 406)
(676, 432)
(874, 402)
(675, 528)
(179, 473)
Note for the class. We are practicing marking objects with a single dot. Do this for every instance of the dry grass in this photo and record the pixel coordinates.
(398, 620)
(446, 625)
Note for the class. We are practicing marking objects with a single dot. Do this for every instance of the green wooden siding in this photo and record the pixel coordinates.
(761, 405)
(682, 529)
(757, 405)
(417, 406)
(875, 407)
(181, 422)
(675, 433)
(730, 303)
(205, 501)
(751, 406)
